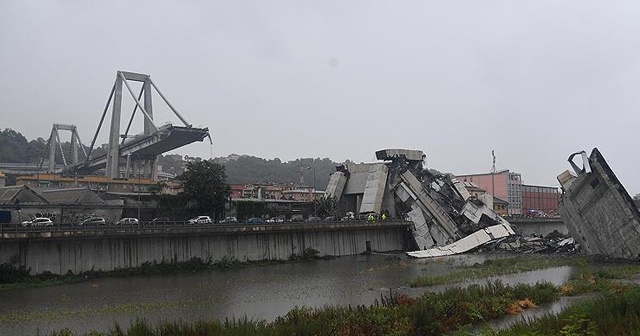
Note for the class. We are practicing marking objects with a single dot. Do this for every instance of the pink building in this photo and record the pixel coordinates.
(503, 184)
(540, 201)
(236, 190)
(270, 191)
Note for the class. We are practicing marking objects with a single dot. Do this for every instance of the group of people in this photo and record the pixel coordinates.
(372, 218)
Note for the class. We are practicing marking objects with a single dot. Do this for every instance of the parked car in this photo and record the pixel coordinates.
(93, 221)
(200, 220)
(349, 216)
(127, 221)
(314, 219)
(40, 221)
(254, 220)
(160, 221)
(296, 219)
(229, 220)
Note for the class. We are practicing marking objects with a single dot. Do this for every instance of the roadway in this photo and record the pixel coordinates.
(68, 230)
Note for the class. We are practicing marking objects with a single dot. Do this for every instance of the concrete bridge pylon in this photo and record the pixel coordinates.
(54, 144)
(137, 154)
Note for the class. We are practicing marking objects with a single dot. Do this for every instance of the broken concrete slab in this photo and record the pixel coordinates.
(441, 208)
(597, 210)
(374, 189)
(407, 154)
(467, 243)
(336, 185)
(548, 245)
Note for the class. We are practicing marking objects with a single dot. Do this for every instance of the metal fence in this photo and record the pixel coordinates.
(172, 225)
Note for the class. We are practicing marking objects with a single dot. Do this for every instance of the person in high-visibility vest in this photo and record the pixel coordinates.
(370, 218)
(384, 216)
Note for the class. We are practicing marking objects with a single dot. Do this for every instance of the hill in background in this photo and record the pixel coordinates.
(240, 169)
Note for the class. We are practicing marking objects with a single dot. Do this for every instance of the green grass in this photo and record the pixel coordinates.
(496, 267)
(615, 312)
(128, 309)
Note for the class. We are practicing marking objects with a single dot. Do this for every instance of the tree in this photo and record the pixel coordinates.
(171, 163)
(205, 187)
(249, 169)
(15, 148)
(247, 209)
(157, 188)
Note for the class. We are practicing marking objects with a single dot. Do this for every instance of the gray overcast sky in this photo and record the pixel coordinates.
(534, 80)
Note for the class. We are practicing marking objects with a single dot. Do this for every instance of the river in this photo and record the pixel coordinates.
(259, 293)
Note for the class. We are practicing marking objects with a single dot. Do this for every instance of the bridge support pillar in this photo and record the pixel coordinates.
(113, 151)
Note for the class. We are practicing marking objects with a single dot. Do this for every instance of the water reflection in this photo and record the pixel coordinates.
(257, 292)
(531, 314)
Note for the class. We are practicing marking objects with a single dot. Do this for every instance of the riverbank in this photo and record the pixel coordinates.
(448, 312)
(264, 295)
(510, 264)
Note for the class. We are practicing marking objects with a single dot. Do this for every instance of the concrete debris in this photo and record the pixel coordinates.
(501, 242)
(597, 210)
(521, 244)
(447, 219)
(466, 244)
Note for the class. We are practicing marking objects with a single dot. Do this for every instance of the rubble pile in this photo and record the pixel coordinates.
(596, 209)
(599, 214)
(447, 219)
(534, 244)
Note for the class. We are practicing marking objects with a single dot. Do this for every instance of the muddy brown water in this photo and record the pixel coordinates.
(259, 293)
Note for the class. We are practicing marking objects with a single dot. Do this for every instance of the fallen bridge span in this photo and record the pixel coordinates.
(597, 210)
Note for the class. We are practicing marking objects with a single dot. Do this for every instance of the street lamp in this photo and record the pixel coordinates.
(314, 177)
(139, 190)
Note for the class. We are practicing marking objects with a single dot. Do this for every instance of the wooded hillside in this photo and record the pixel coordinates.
(241, 169)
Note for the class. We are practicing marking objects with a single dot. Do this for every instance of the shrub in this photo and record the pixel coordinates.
(13, 273)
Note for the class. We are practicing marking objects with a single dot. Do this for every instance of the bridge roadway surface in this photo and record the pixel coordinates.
(525, 226)
(8, 168)
(19, 232)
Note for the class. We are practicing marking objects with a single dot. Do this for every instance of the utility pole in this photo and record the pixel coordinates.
(301, 169)
(38, 173)
(493, 172)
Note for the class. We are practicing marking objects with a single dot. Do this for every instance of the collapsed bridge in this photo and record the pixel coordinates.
(126, 153)
(597, 210)
(447, 218)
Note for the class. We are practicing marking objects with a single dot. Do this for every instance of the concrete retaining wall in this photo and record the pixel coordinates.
(107, 252)
(539, 227)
